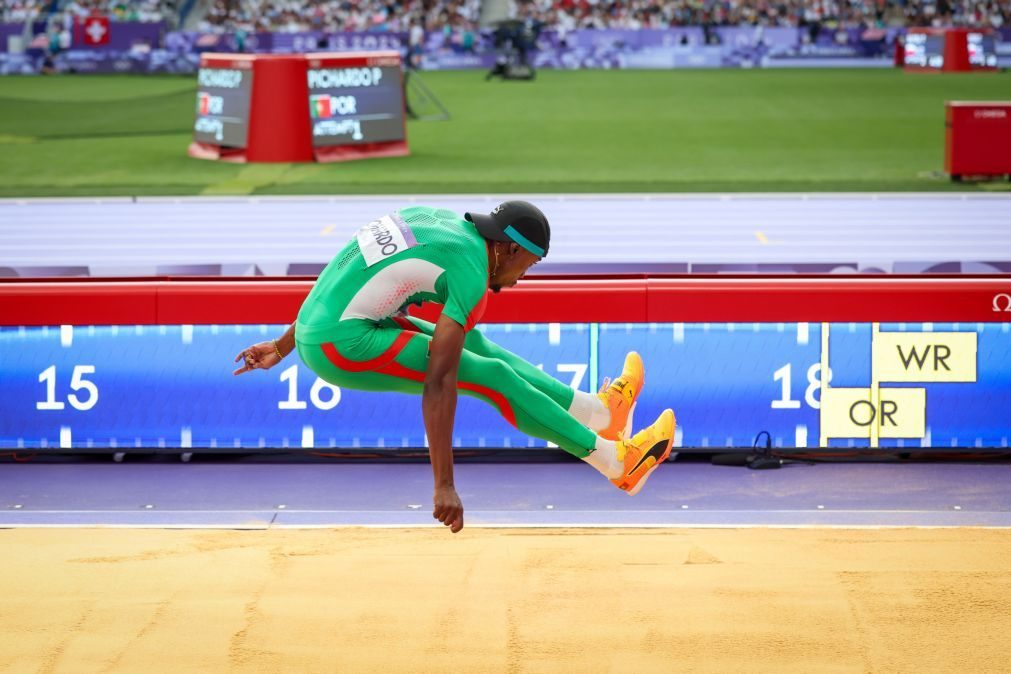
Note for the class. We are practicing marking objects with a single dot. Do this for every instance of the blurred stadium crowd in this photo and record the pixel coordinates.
(341, 15)
(563, 15)
(16, 11)
(635, 14)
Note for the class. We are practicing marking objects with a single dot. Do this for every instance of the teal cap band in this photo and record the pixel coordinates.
(511, 232)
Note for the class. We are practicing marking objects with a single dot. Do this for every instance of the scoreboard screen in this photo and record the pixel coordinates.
(888, 385)
(223, 101)
(982, 50)
(925, 50)
(352, 104)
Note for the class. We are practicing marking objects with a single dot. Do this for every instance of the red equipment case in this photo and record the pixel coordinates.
(977, 138)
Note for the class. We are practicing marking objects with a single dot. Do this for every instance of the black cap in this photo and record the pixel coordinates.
(517, 221)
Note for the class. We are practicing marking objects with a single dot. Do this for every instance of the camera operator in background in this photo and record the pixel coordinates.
(514, 40)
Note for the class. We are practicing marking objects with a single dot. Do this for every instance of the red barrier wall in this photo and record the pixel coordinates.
(538, 300)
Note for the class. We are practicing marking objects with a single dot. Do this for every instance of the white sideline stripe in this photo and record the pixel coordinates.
(564, 525)
(496, 198)
(308, 437)
(697, 510)
(66, 438)
(494, 525)
(66, 336)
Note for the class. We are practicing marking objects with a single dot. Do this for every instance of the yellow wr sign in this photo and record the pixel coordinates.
(924, 357)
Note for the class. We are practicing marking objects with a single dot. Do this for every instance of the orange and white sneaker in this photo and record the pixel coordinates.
(646, 450)
(619, 397)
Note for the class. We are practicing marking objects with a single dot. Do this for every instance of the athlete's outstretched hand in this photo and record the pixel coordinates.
(448, 508)
(262, 356)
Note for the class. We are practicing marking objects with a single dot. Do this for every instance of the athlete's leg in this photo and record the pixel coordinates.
(384, 357)
(477, 343)
(587, 408)
(390, 359)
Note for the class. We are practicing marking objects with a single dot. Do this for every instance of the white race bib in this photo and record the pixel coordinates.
(383, 238)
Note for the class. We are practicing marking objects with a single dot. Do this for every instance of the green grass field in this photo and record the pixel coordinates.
(569, 131)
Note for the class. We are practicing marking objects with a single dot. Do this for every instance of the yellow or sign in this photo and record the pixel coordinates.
(851, 412)
(925, 356)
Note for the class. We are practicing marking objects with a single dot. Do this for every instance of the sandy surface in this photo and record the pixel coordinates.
(754, 600)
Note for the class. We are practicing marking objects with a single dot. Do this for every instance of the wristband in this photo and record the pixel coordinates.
(277, 350)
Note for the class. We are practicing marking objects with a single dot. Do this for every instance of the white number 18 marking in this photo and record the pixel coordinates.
(783, 375)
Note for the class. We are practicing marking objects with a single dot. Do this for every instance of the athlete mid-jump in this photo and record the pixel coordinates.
(352, 331)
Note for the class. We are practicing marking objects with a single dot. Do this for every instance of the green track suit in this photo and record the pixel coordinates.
(352, 332)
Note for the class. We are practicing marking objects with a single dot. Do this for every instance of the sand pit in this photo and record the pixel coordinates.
(505, 600)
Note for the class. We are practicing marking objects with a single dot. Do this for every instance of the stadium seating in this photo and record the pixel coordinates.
(635, 14)
(563, 15)
(17, 11)
(334, 16)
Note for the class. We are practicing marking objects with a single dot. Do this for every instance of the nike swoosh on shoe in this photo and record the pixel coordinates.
(656, 451)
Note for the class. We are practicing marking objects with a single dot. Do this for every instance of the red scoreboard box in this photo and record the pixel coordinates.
(299, 107)
(950, 50)
(977, 138)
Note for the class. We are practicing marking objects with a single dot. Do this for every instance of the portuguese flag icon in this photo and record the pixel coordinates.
(319, 106)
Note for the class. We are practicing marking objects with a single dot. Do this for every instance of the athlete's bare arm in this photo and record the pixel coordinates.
(266, 355)
(438, 406)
